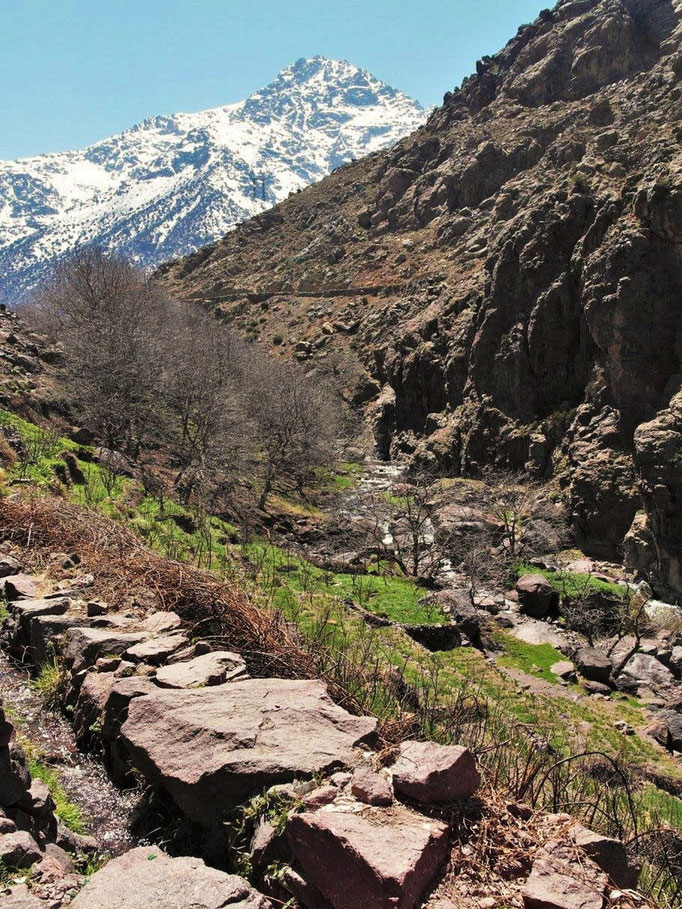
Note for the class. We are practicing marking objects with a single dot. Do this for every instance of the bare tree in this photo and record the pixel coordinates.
(211, 430)
(173, 388)
(399, 528)
(297, 424)
(111, 321)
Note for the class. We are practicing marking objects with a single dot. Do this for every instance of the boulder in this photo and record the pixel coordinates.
(433, 773)
(25, 610)
(122, 692)
(610, 854)
(19, 850)
(15, 780)
(268, 845)
(322, 795)
(644, 671)
(371, 788)
(162, 622)
(667, 730)
(147, 878)
(46, 630)
(537, 597)
(675, 660)
(209, 669)
(457, 604)
(211, 747)
(6, 728)
(558, 881)
(593, 664)
(597, 688)
(19, 587)
(435, 637)
(88, 713)
(564, 669)
(357, 861)
(9, 566)
(156, 650)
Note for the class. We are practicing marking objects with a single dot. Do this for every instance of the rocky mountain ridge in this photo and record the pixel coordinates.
(172, 183)
(501, 289)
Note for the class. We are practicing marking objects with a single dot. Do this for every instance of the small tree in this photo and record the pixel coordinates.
(296, 423)
(111, 321)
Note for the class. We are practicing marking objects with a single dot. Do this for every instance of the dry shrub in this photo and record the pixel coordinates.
(212, 608)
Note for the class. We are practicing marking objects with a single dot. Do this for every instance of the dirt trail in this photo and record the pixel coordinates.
(105, 808)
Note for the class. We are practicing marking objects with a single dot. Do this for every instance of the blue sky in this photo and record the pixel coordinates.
(75, 71)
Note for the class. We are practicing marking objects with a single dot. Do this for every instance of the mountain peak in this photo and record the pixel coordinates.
(173, 183)
(321, 84)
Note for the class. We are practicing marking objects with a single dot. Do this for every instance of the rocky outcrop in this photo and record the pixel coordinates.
(537, 597)
(594, 664)
(364, 835)
(245, 736)
(29, 831)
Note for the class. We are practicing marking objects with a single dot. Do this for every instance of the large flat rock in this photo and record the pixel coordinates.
(147, 878)
(210, 748)
(386, 860)
(85, 645)
(209, 669)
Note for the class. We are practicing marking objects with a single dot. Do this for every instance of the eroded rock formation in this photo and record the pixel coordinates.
(517, 263)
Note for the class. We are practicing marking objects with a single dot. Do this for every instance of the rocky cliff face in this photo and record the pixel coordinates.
(506, 282)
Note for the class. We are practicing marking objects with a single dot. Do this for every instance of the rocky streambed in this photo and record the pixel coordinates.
(105, 809)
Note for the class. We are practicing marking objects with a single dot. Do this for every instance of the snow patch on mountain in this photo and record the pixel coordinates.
(171, 184)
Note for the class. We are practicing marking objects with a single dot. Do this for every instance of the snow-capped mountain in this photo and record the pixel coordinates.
(173, 183)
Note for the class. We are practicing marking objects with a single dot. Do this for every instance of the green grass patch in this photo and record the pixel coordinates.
(572, 584)
(67, 811)
(534, 659)
(47, 684)
(396, 597)
(345, 476)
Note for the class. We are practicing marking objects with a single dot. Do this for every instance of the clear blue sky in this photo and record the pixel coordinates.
(75, 71)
